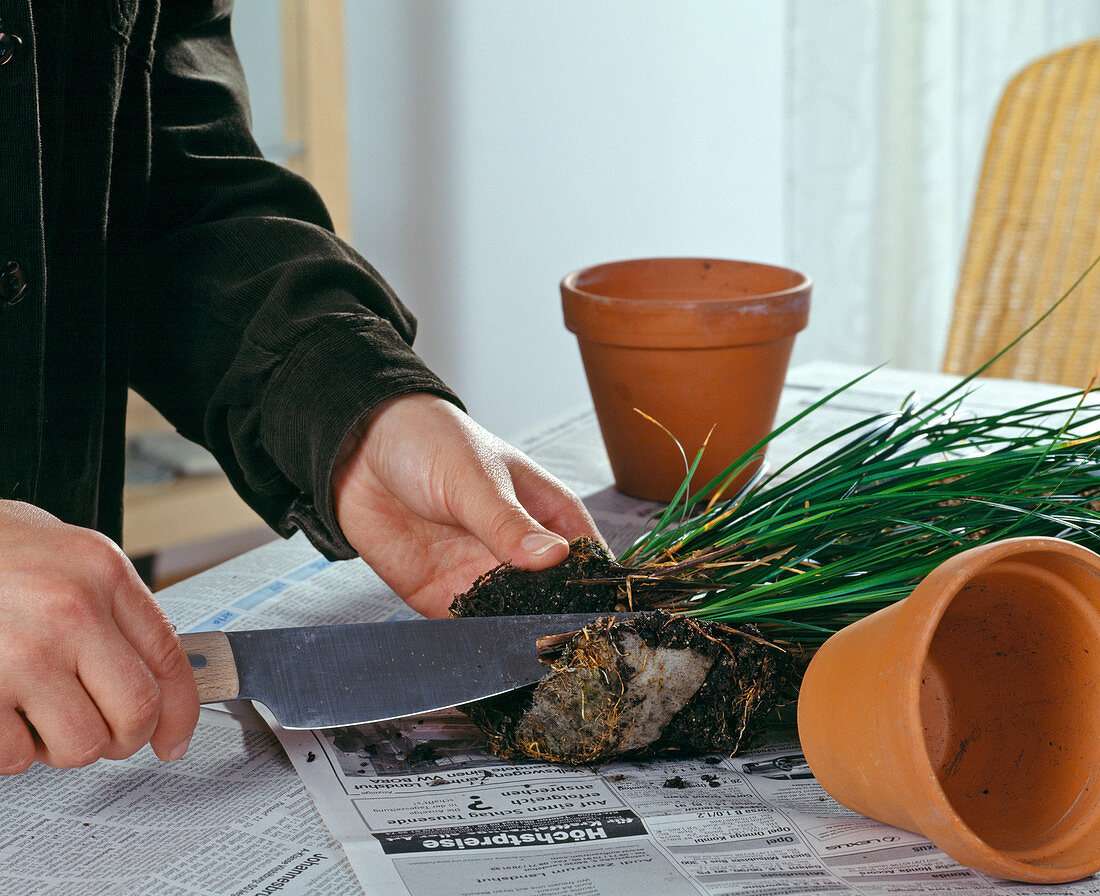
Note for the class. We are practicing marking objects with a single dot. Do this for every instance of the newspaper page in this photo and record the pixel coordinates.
(423, 809)
(230, 819)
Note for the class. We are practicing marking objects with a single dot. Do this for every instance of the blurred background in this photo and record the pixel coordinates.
(492, 147)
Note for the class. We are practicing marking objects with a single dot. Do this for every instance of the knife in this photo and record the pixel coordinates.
(330, 675)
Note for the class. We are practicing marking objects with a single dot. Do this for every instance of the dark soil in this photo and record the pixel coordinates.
(649, 684)
(587, 581)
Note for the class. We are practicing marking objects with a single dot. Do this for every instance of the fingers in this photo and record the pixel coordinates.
(550, 502)
(17, 748)
(521, 513)
(526, 517)
(89, 666)
(171, 685)
(551, 507)
(78, 720)
(483, 500)
(69, 730)
(152, 695)
(128, 697)
(48, 708)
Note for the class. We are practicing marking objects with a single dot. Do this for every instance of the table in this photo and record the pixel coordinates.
(234, 819)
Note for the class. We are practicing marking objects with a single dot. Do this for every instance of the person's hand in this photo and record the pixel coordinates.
(431, 500)
(90, 667)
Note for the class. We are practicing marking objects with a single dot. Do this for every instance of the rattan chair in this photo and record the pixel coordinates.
(1036, 228)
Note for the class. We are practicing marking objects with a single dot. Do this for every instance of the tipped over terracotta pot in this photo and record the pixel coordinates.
(701, 345)
(970, 711)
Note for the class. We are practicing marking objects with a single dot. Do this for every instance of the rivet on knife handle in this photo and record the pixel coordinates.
(212, 665)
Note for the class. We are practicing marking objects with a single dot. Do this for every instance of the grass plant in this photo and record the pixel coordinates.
(856, 520)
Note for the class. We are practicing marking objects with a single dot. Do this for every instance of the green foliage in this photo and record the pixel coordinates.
(811, 547)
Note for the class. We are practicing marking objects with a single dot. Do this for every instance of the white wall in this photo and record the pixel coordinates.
(497, 146)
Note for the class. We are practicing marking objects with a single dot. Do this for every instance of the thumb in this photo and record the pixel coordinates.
(515, 537)
(539, 548)
(492, 513)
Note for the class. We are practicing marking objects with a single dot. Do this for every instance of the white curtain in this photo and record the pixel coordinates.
(889, 105)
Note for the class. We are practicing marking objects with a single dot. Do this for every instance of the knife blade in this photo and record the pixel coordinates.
(331, 675)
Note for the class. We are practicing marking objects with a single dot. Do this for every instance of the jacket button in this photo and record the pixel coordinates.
(13, 283)
(9, 46)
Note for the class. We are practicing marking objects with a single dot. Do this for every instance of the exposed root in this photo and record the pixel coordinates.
(652, 683)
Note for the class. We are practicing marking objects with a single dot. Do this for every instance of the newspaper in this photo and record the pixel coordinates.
(231, 818)
(418, 807)
(423, 809)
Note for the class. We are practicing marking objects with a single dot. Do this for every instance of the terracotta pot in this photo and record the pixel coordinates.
(970, 711)
(695, 343)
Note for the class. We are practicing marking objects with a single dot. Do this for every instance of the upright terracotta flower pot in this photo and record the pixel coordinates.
(970, 711)
(695, 343)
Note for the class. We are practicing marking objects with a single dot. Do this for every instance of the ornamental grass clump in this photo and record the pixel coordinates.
(885, 502)
(744, 587)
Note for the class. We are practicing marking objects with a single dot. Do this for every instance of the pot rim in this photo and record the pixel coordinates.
(693, 320)
(922, 616)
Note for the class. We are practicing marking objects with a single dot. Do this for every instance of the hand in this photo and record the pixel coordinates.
(90, 667)
(431, 500)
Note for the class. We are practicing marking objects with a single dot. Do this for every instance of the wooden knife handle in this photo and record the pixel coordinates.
(212, 665)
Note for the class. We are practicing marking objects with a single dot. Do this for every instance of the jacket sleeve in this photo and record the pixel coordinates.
(259, 334)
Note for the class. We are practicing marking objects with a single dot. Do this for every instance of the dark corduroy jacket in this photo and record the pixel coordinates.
(145, 242)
